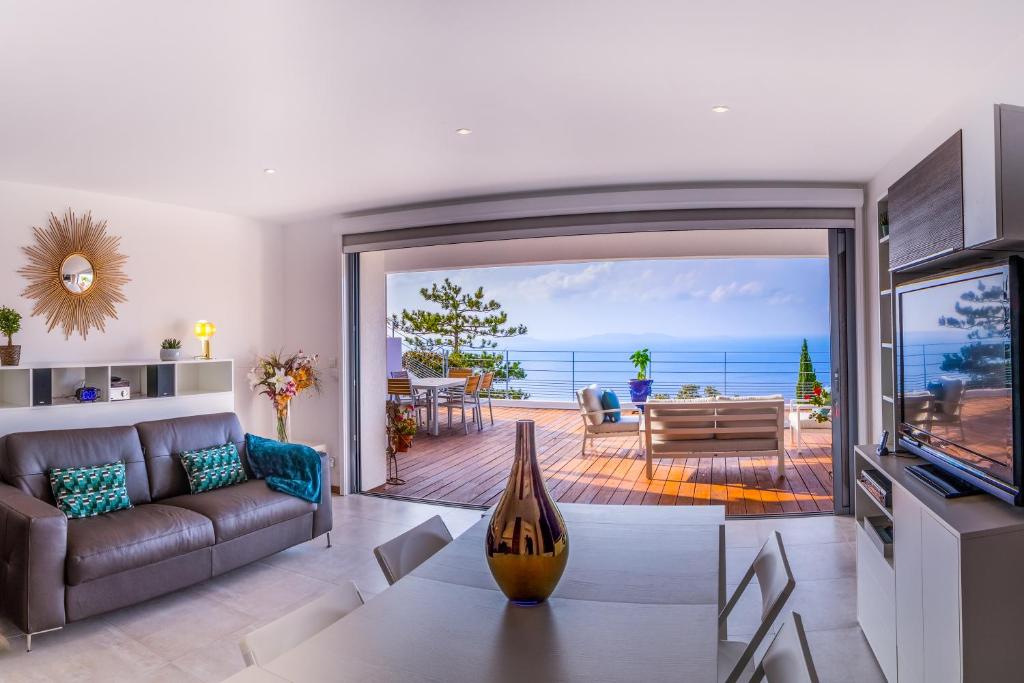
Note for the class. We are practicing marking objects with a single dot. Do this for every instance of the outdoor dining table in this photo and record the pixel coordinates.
(433, 387)
(639, 601)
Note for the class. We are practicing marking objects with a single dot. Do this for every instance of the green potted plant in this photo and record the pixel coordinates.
(10, 324)
(170, 349)
(640, 386)
(401, 426)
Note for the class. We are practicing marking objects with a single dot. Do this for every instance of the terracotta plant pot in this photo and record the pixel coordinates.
(10, 354)
(403, 442)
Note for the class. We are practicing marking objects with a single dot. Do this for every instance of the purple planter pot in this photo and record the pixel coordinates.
(640, 390)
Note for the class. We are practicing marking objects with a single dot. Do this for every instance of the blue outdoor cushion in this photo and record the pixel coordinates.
(609, 401)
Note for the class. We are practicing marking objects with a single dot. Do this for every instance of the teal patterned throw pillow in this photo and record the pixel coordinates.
(213, 468)
(89, 491)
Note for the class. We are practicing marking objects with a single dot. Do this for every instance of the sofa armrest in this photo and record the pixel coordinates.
(33, 546)
(323, 518)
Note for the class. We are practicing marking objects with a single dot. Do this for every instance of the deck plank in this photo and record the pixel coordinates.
(473, 469)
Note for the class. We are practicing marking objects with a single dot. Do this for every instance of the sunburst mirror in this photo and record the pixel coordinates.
(75, 273)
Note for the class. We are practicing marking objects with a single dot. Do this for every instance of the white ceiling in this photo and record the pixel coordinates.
(356, 103)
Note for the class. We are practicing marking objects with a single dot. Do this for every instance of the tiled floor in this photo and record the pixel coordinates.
(193, 635)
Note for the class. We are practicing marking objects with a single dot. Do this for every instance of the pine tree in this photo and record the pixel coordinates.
(806, 378)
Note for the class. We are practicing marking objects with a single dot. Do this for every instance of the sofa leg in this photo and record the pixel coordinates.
(28, 637)
(328, 539)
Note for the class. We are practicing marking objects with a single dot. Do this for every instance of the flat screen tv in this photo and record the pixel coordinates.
(958, 365)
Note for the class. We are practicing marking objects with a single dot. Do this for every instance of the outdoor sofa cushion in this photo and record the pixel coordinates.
(627, 423)
(591, 398)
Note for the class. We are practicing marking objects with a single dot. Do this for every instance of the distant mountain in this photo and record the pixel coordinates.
(656, 341)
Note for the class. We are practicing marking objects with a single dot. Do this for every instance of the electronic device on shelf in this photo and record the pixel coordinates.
(958, 376)
(87, 394)
(120, 389)
(877, 486)
(883, 444)
(941, 481)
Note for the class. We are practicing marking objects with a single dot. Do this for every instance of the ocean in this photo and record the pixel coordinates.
(734, 366)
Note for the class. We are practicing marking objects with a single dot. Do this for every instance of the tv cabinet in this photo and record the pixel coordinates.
(947, 604)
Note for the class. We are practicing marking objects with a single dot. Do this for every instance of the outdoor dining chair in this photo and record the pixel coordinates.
(486, 382)
(465, 398)
(401, 390)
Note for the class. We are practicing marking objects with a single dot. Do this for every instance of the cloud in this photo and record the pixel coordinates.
(735, 289)
(565, 283)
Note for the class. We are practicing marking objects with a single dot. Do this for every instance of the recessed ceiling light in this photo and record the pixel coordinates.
(270, 171)
(720, 109)
(463, 131)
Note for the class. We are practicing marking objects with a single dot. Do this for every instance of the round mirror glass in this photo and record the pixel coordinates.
(76, 274)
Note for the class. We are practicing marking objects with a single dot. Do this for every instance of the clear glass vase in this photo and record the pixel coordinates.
(283, 424)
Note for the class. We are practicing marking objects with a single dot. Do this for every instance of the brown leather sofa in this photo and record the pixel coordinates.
(54, 570)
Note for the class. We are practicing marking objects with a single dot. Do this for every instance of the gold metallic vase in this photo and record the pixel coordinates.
(527, 543)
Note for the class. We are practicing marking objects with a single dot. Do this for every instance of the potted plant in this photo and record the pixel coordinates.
(170, 349)
(401, 426)
(640, 387)
(821, 399)
(10, 324)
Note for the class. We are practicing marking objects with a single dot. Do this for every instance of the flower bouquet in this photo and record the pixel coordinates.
(282, 378)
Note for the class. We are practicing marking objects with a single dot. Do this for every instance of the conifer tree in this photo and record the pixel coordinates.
(806, 378)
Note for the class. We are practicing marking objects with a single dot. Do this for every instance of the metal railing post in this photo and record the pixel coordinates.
(508, 373)
(573, 366)
(444, 363)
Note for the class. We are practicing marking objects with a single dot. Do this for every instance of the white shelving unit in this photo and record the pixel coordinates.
(200, 386)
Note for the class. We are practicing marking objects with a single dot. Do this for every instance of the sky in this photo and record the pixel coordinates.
(685, 298)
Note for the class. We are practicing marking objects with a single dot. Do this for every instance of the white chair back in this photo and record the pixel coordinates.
(788, 658)
(405, 552)
(271, 641)
(775, 578)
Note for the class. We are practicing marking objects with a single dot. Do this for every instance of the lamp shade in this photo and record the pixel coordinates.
(204, 329)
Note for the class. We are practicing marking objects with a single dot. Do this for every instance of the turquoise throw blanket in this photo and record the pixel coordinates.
(287, 467)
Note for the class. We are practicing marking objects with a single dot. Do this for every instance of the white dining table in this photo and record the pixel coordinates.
(639, 601)
(433, 386)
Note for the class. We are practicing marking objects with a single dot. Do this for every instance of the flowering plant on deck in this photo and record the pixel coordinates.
(821, 398)
(282, 378)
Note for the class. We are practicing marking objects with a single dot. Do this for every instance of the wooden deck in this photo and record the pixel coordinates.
(472, 469)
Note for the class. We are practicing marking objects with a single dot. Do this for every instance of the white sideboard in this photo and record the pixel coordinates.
(946, 604)
(200, 386)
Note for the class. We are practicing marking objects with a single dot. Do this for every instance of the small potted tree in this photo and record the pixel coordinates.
(170, 349)
(640, 387)
(10, 324)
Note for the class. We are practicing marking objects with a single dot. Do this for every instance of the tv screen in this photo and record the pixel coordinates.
(954, 356)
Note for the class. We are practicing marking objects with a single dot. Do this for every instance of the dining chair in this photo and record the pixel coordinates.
(405, 552)
(400, 389)
(271, 641)
(775, 578)
(462, 399)
(486, 382)
(788, 658)
(459, 373)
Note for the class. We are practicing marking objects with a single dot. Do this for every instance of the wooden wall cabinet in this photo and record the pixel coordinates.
(964, 199)
(926, 207)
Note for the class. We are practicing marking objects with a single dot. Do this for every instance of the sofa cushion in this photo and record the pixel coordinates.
(627, 423)
(128, 539)
(29, 457)
(243, 508)
(163, 441)
(89, 491)
(590, 399)
(610, 401)
(213, 468)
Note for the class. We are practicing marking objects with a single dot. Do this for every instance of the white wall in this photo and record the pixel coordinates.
(374, 267)
(312, 291)
(974, 114)
(184, 265)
